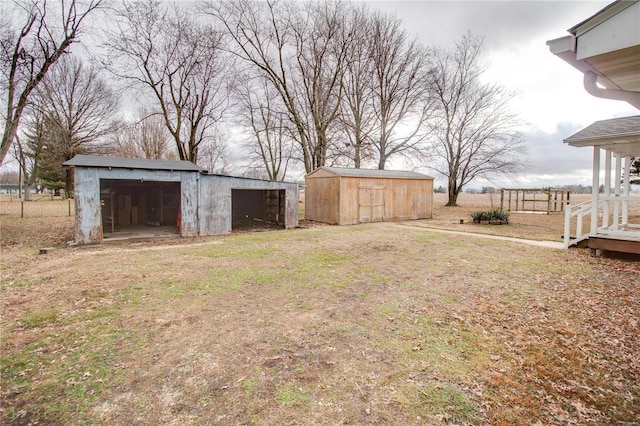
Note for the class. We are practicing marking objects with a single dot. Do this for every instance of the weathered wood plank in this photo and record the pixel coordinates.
(615, 244)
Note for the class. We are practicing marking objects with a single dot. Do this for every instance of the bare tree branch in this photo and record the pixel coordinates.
(28, 51)
(77, 107)
(402, 100)
(474, 133)
(147, 137)
(300, 50)
(180, 62)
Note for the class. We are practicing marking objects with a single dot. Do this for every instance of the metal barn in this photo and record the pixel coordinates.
(116, 197)
(345, 196)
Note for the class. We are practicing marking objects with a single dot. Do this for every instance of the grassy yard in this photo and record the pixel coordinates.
(369, 324)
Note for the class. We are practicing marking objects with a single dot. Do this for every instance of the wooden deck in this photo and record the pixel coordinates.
(626, 244)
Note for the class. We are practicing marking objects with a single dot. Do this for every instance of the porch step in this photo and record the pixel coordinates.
(617, 244)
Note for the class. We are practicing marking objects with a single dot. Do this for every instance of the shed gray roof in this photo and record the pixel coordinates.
(131, 163)
(373, 173)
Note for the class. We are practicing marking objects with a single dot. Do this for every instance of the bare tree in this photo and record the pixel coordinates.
(77, 106)
(147, 137)
(301, 51)
(180, 62)
(357, 114)
(269, 137)
(214, 155)
(27, 150)
(473, 131)
(33, 36)
(401, 93)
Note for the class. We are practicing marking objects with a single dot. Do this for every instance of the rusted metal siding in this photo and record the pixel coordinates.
(87, 198)
(189, 204)
(215, 204)
(205, 200)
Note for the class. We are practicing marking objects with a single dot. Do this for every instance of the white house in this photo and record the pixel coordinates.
(606, 49)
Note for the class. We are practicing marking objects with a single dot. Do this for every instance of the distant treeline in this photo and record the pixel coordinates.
(574, 189)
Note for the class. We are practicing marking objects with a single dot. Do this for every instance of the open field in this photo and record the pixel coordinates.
(368, 324)
(521, 225)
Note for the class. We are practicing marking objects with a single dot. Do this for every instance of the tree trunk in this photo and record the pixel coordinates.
(68, 182)
(10, 129)
(27, 191)
(453, 193)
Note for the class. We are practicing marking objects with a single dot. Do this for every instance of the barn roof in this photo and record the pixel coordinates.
(372, 173)
(131, 163)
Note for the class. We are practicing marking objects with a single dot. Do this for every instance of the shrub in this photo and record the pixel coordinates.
(490, 215)
(478, 216)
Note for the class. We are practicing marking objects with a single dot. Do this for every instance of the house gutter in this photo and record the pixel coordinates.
(591, 86)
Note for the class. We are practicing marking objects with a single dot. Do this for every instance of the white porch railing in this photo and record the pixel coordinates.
(580, 211)
(612, 219)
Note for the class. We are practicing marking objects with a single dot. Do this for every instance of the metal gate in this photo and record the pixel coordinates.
(371, 201)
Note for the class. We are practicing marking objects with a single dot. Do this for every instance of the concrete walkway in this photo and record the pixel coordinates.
(547, 244)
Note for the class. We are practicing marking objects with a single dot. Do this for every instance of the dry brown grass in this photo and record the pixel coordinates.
(521, 225)
(42, 222)
(371, 324)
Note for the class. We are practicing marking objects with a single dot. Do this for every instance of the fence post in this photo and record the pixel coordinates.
(69, 200)
(21, 209)
(566, 238)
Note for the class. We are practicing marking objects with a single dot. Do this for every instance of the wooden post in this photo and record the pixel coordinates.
(502, 199)
(535, 195)
(616, 203)
(567, 228)
(595, 188)
(113, 219)
(625, 191)
(607, 187)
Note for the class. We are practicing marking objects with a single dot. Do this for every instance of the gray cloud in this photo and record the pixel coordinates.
(502, 23)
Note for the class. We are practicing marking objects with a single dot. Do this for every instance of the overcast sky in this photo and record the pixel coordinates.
(552, 102)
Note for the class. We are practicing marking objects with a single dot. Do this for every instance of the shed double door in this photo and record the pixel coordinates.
(371, 201)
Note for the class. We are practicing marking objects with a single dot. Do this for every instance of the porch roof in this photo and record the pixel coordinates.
(619, 135)
(606, 48)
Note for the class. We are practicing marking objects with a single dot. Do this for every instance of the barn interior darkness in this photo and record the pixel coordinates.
(135, 203)
(257, 208)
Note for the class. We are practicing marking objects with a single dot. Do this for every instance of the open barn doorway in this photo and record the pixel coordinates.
(253, 209)
(139, 209)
